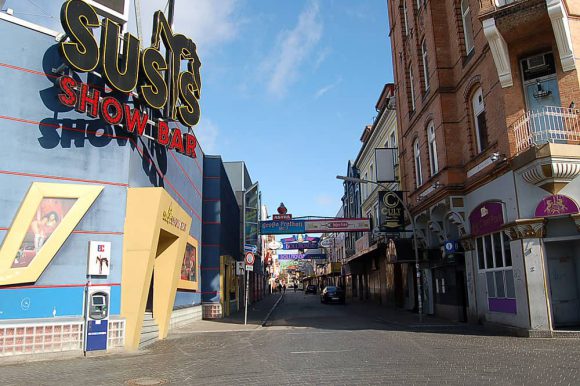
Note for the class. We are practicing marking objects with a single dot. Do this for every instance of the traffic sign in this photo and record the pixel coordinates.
(249, 267)
(250, 248)
(250, 258)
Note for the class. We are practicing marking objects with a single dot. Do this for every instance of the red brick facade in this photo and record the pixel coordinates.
(454, 75)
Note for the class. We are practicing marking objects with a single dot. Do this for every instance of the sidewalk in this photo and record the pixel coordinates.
(257, 314)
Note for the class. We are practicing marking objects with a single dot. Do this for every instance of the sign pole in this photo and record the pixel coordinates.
(246, 301)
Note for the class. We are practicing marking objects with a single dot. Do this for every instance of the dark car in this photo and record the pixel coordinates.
(332, 294)
(310, 289)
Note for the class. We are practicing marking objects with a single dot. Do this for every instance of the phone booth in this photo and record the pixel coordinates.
(97, 318)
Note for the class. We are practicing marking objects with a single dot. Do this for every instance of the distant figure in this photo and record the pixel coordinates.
(279, 287)
(295, 287)
(284, 288)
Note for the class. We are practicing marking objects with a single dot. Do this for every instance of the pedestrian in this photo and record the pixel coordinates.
(295, 287)
(279, 287)
(284, 288)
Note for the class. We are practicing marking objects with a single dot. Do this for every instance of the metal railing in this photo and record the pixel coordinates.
(550, 124)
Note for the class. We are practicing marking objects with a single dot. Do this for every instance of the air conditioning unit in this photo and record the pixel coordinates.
(536, 62)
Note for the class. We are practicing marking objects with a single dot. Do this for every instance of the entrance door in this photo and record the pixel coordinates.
(563, 277)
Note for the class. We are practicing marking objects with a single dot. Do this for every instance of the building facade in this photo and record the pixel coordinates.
(488, 129)
(97, 222)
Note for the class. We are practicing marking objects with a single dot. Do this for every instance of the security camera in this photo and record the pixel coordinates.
(494, 157)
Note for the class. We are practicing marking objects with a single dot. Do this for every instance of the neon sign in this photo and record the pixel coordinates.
(144, 72)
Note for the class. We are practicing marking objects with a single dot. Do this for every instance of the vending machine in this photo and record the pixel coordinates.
(97, 318)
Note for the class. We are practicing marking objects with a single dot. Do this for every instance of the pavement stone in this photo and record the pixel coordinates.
(306, 342)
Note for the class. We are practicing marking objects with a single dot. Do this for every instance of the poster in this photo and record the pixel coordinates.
(46, 220)
(189, 266)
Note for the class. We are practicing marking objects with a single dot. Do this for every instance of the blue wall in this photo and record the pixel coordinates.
(221, 232)
(37, 148)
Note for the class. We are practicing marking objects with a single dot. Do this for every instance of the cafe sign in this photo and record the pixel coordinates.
(391, 212)
(154, 82)
(556, 205)
(486, 218)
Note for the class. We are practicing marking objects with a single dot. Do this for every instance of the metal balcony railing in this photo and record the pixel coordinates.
(550, 124)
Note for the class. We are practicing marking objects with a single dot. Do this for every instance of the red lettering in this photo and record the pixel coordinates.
(66, 84)
(117, 116)
(176, 140)
(87, 99)
(162, 133)
(190, 145)
(134, 118)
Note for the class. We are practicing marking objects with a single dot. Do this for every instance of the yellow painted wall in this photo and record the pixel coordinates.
(156, 232)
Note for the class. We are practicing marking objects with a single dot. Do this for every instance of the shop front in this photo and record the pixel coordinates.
(100, 216)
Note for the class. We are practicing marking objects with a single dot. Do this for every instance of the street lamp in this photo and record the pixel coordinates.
(411, 218)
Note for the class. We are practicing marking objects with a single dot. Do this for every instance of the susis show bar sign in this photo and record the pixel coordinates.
(143, 71)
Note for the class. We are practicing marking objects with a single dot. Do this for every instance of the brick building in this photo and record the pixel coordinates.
(489, 135)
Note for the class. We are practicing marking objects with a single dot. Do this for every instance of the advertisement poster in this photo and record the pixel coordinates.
(47, 218)
(99, 258)
(189, 266)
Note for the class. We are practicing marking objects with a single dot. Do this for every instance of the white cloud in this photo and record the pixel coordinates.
(207, 134)
(207, 22)
(327, 88)
(292, 49)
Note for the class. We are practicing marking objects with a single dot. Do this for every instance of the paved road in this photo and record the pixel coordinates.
(310, 343)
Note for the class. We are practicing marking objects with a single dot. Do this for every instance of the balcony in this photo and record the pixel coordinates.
(546, 147)
(492, 8)
(549, 125)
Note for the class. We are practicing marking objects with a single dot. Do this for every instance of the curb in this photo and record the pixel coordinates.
(272, 310)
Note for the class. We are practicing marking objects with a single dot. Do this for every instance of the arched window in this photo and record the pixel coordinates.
(417, 153)
(412, 92)
(479, 120)
(467, 26)
(405, 18)
(433, 162)
(425, 57)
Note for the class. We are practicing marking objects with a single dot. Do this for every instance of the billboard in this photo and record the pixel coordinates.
(385, 161)
(281, 227)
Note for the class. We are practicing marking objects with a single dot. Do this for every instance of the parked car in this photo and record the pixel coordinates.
(310, 289)
(332, 294)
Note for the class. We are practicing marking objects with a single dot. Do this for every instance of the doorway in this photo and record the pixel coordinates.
(563, 260)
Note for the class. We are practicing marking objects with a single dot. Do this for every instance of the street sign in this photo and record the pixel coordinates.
(250, 248)
(250, 258)
(249, 268)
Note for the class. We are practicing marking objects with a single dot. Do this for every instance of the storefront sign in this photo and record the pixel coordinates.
(556, 205)
(338, 225)
(486, 218)
(391, 212)
(169, 219)
(99, 258)
(281, 227)
(142, 71)
(282, 217)
(301, 242)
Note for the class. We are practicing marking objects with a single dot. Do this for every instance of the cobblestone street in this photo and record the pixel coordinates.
(306, 342)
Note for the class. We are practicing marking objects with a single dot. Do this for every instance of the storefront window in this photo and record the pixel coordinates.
(494, 258)
(46, 220)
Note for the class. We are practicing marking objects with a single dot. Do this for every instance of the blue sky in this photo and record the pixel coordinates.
(287, 86)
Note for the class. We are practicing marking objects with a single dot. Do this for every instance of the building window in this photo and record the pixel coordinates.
(412, 92)
(433, 162)
(418, 5)
(372, 173)
(467, 26)
(425, 63)
(479, 120)
(495, 260)
(405, 18)
(418, 175)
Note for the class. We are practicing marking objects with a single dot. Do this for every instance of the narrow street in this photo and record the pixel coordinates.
(306, 342)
